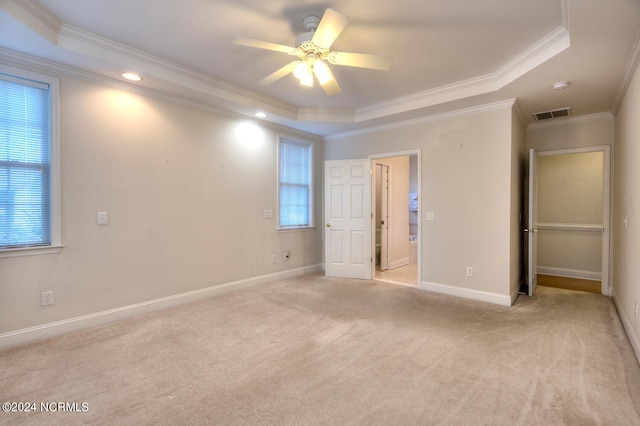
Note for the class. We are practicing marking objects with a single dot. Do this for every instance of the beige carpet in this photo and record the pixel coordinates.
(331, 351)
(407, 275)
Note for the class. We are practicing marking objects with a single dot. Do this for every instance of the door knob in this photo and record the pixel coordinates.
(328, 225)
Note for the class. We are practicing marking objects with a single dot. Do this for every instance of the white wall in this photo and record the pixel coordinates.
(467, 181)
(185, 202)
(626, 239)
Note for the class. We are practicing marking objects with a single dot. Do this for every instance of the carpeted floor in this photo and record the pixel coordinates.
(407, 275)
(318, 350)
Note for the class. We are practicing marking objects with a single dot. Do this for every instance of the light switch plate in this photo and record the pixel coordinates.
(268, 214)
(430, 216)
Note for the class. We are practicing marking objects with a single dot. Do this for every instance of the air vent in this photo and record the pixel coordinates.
(556, 113)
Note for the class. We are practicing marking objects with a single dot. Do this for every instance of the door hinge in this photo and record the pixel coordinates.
(371, 172)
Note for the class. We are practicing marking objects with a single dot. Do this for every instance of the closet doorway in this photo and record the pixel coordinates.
(573, 220)
(396, 216)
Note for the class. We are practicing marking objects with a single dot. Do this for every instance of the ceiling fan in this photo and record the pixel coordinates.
(313, 51)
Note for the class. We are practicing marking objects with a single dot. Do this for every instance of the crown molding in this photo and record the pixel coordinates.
(553, 43)
(334, 115)
(47, 67)
(509, 103)
(92, 45)
(35, 16)
(188, 83)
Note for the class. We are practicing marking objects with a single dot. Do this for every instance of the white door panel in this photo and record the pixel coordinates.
(348, 218)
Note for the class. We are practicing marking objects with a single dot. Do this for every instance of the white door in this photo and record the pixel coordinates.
(532, 224)
(347, 191)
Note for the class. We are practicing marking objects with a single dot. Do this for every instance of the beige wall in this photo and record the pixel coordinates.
(518, 173)
(185, 202)
(467, 181)
(582, 132)
(626, 239)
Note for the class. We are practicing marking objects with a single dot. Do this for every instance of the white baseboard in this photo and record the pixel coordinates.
(628, 327)
(57, 328)
(482, 296)
(569, 273)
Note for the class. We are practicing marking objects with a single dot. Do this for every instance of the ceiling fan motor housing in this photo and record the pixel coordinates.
(304, 38)
(310, 23)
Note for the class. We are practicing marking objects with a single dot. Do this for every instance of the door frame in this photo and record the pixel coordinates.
(532, 223)
(605, 287)
(418, 154)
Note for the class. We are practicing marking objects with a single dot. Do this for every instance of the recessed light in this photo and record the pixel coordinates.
(560, 85)
(131, 76)
(261, 114)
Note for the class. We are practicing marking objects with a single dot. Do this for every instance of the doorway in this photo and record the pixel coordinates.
(396, 217)
(573, 220)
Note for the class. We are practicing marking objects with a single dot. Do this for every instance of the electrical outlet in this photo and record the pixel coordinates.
(274, 258)
(47, 298)
(469, 271)
(286, 255)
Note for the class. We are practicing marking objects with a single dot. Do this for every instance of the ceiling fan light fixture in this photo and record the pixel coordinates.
(301, 70)
(313, 51)
(307, 80)
(321, 71)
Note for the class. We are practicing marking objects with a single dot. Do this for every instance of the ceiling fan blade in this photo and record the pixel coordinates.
(361, 60)
(329, 28)
(331, 86)
(279, 74)
(251, 42)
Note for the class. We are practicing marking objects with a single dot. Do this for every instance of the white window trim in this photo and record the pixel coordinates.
(54, 152)
(312, 184)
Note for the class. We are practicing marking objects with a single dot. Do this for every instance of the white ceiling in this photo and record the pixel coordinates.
(447, 54)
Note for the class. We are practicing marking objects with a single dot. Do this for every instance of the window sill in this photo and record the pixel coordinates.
(297, 228)
(30, 251)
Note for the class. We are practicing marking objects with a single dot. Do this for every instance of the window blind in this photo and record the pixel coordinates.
(295, 184)
(24, 163)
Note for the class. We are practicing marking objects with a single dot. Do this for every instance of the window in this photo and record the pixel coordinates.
(29, 204)
(295, 189)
